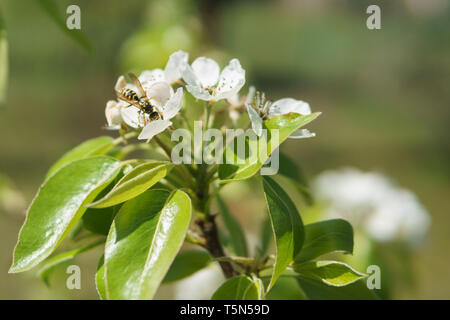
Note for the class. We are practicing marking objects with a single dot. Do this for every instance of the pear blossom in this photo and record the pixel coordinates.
(160, 94)
(205, 81)
(264, 109)
(167, 103)
(374, 204)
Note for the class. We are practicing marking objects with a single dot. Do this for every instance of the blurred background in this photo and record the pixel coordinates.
(383, 93)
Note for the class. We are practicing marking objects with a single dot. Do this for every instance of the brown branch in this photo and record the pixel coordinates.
(212, 244)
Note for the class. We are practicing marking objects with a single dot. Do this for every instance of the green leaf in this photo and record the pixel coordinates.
(266, 236)
(100, 278)
(237, 237)
(284, 125)
(4, 65)
(239, 288)
(317, 290)
(286, 224)
(187, 263)
(54, 12)
(58, 205)
(99, 220)
(144, 239)
(135, 182)
(325, 237)
(332, 273)
(59, 259)
(93, 147)
(291, 170)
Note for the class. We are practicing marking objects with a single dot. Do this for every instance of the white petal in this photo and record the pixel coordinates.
(112, 114)
(175, 66)
(173, 106)
(200, 93)
(256, 120)
(232, 79)
(120, 83)
(132, 117)
(159, 92)
(288, 105)
(250, 94)
(302, 133)
(153, 128)
(149, 77)
(189, 77)
(207, 71)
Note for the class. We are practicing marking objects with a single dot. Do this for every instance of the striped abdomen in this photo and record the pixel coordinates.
(129, 94)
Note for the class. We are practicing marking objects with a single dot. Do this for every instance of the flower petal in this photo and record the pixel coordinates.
(232, 79)
(159, 93)
(207, 71)
(153, 128)
(302, 133)
(132, 117)
(173, 106)
(256, 120)
(287, 105)
(149, 77)
(120, 83)
(199, 93)
(113, 115)
(175, 66)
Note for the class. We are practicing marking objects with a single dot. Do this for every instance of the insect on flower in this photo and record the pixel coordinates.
(143, 103)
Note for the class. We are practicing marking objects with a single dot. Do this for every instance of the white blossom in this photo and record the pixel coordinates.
(371, 202)
(205, 81)
(161, 96)
(264, 109)
(200, 286)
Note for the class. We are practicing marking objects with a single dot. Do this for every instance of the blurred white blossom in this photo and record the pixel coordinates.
(201, 285)
(373, 203)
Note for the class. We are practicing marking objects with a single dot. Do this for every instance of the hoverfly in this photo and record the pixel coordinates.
(142, 103)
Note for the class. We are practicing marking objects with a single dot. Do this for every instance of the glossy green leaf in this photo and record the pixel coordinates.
(332, 273)
(317, 290)
(93, 147)
(99, 220)
(286, 224)
(135, 182)
(60, 258)
(100, 278)
(266, 236)
(325, 237)
(239, 288)
(291, 170)
(57, 207)
(235, 232)
(187, 263)
(59, 18)
(4, 65)
(144, 239)
(284, 125)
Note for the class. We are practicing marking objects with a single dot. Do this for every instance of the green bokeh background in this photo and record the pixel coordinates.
(384, 95)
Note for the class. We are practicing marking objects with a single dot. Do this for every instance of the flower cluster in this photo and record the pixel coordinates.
(205, 81)
(373, 203)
